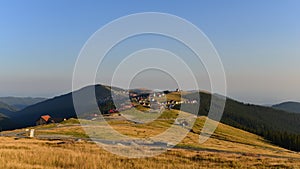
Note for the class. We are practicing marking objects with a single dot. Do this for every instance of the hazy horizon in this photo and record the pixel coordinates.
(162, 89)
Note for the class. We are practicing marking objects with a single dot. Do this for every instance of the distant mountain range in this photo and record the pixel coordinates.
(293, 107)
(276, 125)
(19, 103)
(5, 108)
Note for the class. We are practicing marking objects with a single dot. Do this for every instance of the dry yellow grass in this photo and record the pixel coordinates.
(227, 148)
(32, 153)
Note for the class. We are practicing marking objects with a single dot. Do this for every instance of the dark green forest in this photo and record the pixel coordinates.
(279, 127)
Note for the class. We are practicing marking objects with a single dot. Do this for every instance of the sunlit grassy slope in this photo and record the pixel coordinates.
(229, 147)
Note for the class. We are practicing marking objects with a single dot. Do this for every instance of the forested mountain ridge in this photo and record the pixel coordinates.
(280, 127)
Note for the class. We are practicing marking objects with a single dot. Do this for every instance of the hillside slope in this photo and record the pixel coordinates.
(5, 108)
(280, 127)
(229, 147)
(6, 122)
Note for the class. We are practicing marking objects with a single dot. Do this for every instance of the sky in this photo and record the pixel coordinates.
(257, 41)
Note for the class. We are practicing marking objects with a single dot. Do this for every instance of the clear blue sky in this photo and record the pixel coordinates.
(258, 42)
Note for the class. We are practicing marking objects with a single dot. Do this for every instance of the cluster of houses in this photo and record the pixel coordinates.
(157, 100)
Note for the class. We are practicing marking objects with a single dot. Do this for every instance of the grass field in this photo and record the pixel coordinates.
(227, 148)
(32, 153)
